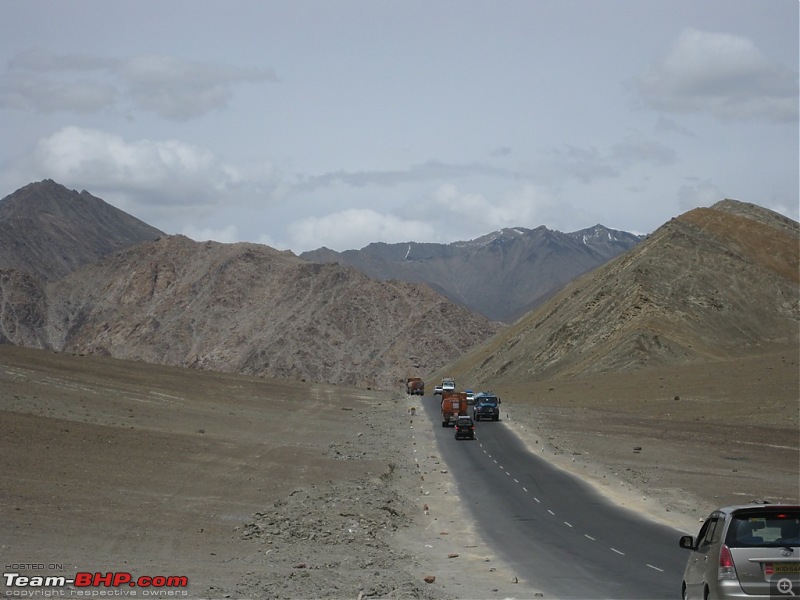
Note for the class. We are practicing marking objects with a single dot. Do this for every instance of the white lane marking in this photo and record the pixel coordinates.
(587, 536)
(537, 501)
(656, 568)
(516, 480)
(524, 489)
(567, 524)
(617, 551)
(551, 512)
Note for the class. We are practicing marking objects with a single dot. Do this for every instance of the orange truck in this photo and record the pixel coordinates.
(415, 385)
(454, 404)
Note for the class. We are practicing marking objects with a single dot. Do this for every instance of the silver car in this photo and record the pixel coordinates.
(750, 551)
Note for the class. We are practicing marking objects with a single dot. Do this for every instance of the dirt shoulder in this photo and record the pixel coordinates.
(263, 489)
(249, 488)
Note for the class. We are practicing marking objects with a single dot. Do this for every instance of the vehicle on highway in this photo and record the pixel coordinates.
(437, 390)
(415, 386)
(465, 428)
(470, 397)
(745, 551)
(486, 407)
(454, 405)
(448, 384)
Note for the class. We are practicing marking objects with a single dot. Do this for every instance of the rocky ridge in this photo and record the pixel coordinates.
(712, 284)
(241, 308)
(501, 275)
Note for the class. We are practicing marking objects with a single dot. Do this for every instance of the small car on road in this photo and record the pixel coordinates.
(746, 551)
(465, 428)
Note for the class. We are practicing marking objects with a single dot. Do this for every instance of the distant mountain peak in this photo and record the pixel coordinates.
(48, 230)
(501, 274)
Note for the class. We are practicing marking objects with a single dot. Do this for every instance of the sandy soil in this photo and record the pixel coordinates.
(260, 489)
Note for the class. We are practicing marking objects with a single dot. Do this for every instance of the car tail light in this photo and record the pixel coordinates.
(726, 569)
(769, 569)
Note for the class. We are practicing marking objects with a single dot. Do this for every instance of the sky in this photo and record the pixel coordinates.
(301, 124)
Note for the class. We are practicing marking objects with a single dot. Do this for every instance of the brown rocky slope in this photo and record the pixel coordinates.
(250, 309)
(712, 284)
(47, 230)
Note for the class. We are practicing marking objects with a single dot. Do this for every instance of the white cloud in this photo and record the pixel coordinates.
(148, 177)
(100, 159)
(355, 228)
(636, 149)
(178, 89)
(171, 87)
(228, 234)
(723, 75)
(475, 215)
(698, 193)
(30, 91)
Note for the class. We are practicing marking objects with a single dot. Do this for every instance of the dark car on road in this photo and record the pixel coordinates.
(746, 551)
(465, 428)
(486, 407)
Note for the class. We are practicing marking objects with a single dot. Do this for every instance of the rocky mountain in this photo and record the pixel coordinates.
(78, 276)
(710, 285)
(231, 307)
(47, 230)
(501, 275)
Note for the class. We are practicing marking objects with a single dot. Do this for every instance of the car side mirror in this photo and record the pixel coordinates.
(687, 542)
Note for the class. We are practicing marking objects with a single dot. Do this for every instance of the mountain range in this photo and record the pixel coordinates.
(501, 275)
(710, 285)
(78, 275)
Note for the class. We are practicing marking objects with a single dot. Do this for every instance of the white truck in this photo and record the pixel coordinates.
(448, 385)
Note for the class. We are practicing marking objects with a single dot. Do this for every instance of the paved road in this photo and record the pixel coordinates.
(557, 531)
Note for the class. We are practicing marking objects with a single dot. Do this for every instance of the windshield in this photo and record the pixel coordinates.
(764, 529)
(491, 401)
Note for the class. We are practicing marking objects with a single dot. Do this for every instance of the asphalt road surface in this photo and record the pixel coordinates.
(557, 531)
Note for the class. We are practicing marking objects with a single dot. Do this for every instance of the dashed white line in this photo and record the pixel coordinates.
(656, 568)
(516, 480)
(524, 489)
(617, 551)
(551, 512)
(537, 500)
(567, 524)
(587, 536)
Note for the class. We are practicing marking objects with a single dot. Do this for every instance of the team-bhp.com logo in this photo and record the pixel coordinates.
(95, 584)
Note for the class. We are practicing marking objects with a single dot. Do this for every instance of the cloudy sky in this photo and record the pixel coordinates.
(337, 123)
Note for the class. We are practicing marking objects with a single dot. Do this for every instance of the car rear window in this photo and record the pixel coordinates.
(764, 528)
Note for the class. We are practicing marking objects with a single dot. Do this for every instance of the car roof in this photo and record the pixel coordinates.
(756, 504)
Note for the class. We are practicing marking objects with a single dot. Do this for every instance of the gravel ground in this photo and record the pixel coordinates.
(261, 489)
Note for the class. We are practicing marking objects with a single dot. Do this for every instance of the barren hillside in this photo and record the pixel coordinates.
(713, 284)
(47, 230)
(501, 275)
(243, 308)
